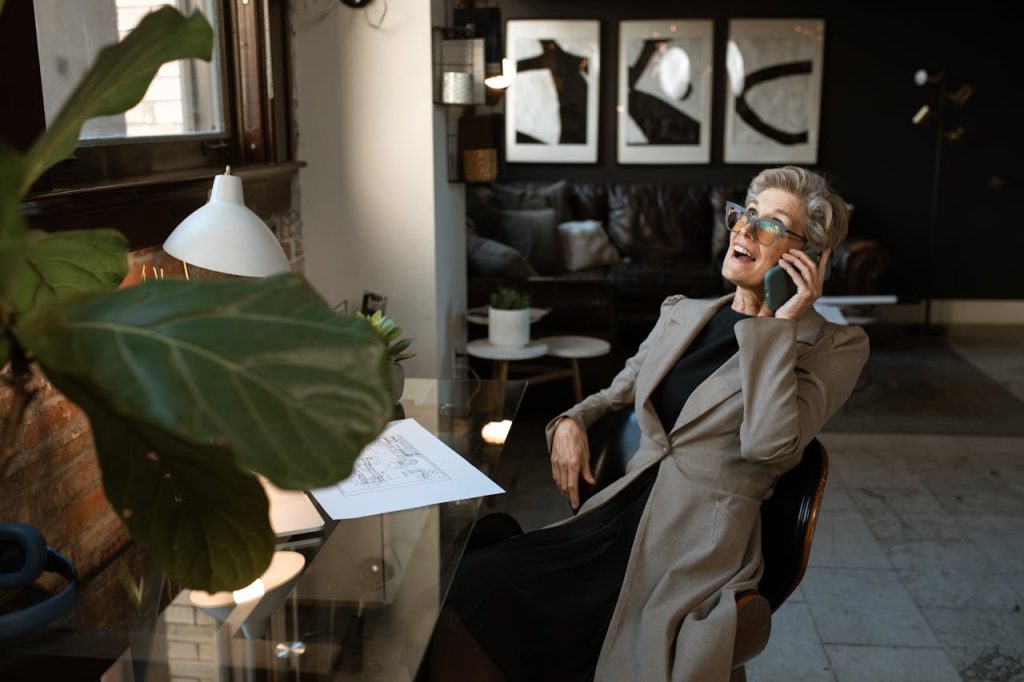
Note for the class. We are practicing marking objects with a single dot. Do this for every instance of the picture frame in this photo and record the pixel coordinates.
(372, 303)
(551, 110)
(773, 94)
(665, 84)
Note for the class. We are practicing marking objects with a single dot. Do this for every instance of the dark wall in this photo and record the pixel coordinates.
(876, 158)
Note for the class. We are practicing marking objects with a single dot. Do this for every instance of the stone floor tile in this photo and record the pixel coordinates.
(988, 663)
(975, 490)
(843, 540)
(794, 652)
(864, 606)
(949, 574)
(876, 468)
(1016, 581)
(1001, 538)
(984, 644)
(890, 664)
(904, 514)
(837, 497)
(977, 626)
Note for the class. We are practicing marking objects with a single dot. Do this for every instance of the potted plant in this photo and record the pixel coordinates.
(191, 388)
(388, 331)
(508, 318)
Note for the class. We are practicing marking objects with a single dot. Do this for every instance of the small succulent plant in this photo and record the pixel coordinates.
(389, 331)
(505, 298)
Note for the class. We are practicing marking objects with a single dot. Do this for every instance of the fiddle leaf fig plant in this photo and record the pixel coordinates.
(191, 387)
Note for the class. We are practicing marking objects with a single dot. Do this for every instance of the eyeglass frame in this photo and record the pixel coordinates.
(783, 230)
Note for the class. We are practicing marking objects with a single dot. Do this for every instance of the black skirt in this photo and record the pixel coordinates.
(540, 603)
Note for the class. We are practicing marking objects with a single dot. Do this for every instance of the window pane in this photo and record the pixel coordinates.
(183, 99)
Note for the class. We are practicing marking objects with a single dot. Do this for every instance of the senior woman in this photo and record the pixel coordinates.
(641, 583)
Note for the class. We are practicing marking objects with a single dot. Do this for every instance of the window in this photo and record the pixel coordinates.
(183, 99)
(143, 171)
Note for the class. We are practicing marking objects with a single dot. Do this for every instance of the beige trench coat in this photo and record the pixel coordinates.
(699, 540)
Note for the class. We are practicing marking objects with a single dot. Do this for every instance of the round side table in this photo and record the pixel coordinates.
(502, 355)
(575, 348)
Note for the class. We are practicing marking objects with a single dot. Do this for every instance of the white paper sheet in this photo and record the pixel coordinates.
(406, 467)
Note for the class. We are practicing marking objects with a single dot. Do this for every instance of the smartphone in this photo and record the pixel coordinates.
(779, 287)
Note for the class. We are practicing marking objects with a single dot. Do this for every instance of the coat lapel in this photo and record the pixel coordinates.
(688, 317)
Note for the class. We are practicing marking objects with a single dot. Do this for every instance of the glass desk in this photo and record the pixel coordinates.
(363, 608)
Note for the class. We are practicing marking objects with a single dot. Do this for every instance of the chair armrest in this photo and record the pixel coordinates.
(753, 626)
(613, 440)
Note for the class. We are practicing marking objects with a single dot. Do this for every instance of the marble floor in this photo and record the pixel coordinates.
(917, 566)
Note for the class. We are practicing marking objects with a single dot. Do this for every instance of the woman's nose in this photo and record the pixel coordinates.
(744, 228)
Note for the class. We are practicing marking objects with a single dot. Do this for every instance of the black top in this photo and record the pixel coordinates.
(539, 603)
(715, 344)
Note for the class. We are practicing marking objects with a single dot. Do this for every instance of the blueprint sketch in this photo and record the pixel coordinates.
(406, 467)
(390, 462)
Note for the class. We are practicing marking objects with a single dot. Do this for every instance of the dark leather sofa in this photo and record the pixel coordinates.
(672, 239)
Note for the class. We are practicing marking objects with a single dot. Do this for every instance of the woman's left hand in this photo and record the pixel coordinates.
(809, 278)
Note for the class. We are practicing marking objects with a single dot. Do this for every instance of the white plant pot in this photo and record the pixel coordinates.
(508, 327)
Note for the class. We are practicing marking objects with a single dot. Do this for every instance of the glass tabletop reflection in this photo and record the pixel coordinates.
(358, 600)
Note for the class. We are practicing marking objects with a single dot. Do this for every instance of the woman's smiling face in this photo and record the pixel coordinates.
(748, 260)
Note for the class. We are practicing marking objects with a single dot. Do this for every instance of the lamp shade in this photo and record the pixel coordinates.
(225, 236)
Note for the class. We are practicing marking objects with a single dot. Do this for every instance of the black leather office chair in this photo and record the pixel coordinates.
(787, 526)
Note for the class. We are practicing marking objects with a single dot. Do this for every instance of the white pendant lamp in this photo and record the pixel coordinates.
(225, 236)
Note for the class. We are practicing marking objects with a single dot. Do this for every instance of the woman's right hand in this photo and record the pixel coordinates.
(570, 457)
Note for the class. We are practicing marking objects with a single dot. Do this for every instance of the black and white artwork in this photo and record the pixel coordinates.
(551, 108)
(664, 99)
(773, 96)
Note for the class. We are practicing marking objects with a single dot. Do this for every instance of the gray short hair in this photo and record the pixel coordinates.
(828, 218)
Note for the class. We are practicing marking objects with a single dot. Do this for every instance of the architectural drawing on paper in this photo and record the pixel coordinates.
(390, 462)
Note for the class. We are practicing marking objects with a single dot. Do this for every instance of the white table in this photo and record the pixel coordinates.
(831, 307)
(574, 348)
(502, 355)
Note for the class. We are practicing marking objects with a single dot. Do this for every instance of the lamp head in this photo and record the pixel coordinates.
(225, 236)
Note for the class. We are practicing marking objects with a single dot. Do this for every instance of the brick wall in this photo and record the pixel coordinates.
(53, 480)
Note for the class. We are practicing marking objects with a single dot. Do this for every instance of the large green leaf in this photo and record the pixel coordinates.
(119, 80)
(204, 519)
(263, 367)
(12, 226)
(69, 263)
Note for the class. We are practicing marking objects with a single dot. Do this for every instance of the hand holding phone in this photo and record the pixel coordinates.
(779, 287)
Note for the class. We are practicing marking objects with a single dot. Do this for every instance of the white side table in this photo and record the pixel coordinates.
(502, 355)
(830, 307)
(575, 348)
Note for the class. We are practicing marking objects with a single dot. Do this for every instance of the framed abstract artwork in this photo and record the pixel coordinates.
(773, 95)
(664, 98)
(551, 108)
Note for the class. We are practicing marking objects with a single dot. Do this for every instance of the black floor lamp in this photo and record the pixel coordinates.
(926, 113)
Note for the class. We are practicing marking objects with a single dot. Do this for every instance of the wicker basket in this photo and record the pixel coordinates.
(480, 165)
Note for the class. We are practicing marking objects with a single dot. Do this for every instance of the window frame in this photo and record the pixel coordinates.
(145, 186)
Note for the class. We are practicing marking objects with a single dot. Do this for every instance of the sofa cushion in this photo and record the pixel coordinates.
(531, 195)
(585, 245)
(488, 258)
(588, 201)
(482, 211)
(534, 233)
(653, 280)
(665, 221)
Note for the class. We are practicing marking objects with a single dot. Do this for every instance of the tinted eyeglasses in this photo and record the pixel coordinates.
(767, 231)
